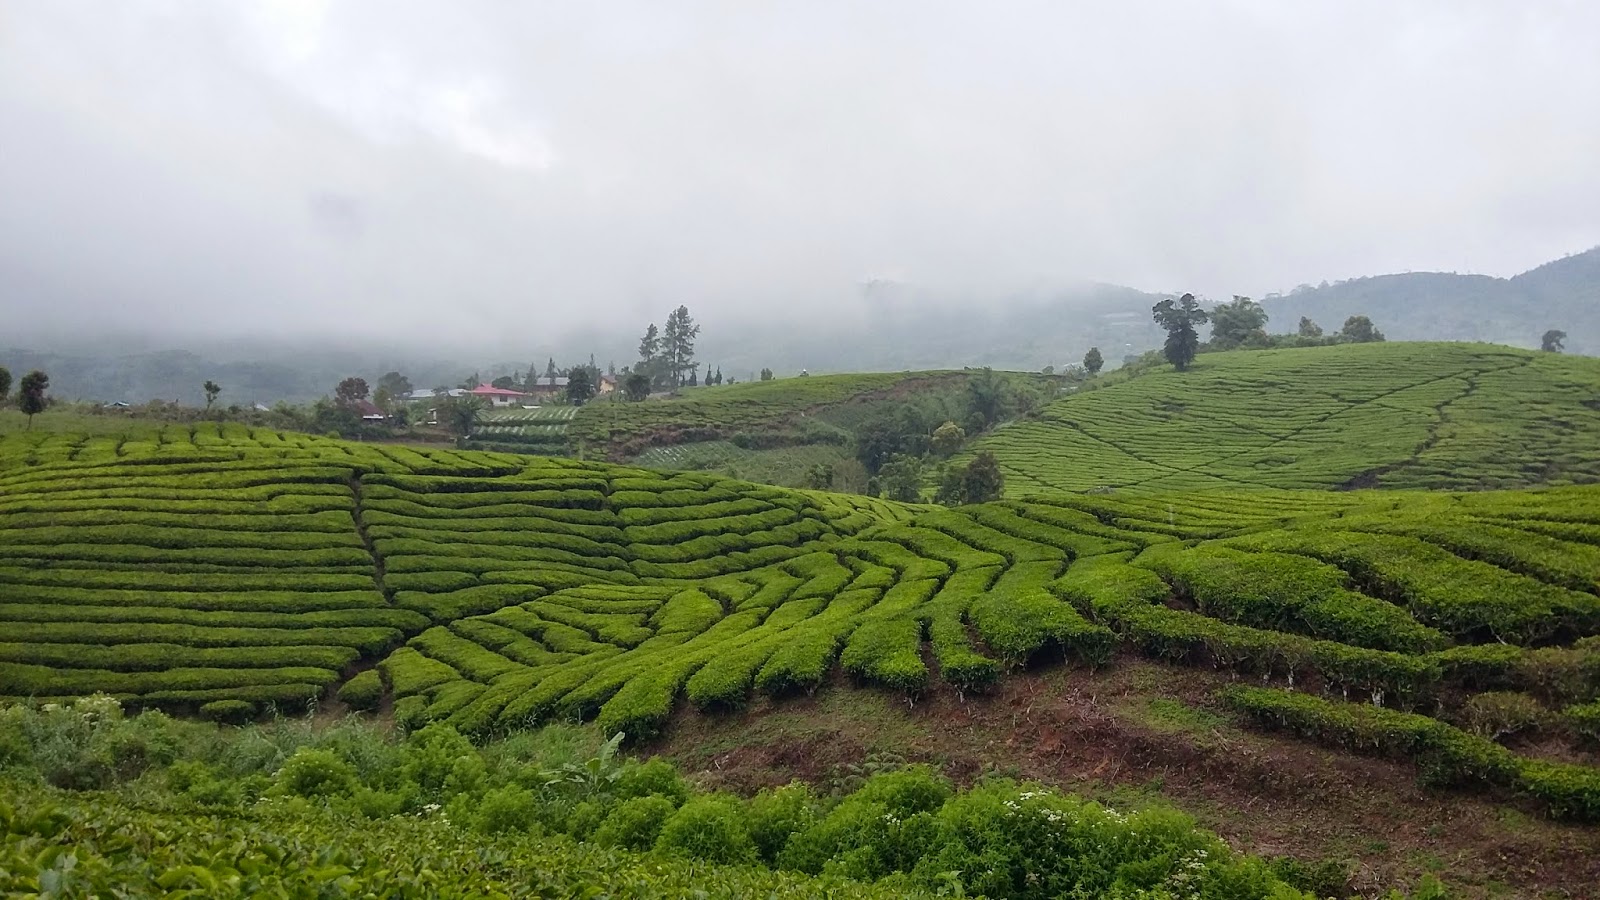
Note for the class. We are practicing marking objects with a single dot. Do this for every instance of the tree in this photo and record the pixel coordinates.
(901, 479)
(1360, 330)
(1181, 320)
(694, 376)
(982, 481)
(550, 371)
(649, 345)
(718, 379)
(504, 383)
(948, 438)
(766, 374)
(1552, 342)
(1093, 361)
(581, 385)
(819, 476)
(986, 392)
(1308, 328)
(350, 390)
(677, 343)
(5, 383)
(1238, 323)
(636, 386)
(949, 493)
(31, 397)
(213, 390)
(395, 384)
(459, 415)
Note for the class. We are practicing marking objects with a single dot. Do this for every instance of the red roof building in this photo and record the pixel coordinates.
(497, 396)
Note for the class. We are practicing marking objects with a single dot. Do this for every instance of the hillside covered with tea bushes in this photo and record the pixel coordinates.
(1388, 415)
(228, 572)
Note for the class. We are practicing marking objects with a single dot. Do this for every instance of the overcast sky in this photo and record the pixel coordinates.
(432, 169)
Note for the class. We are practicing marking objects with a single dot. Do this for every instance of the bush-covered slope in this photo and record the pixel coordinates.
(1395, 415)
(767, 410)
(228, 570)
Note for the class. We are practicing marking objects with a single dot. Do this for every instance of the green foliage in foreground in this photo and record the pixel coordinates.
(65, 846)
(348, 811)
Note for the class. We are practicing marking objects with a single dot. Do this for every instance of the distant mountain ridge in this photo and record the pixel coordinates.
(1563, 294)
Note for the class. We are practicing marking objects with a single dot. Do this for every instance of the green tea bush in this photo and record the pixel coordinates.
(231, 711)
(1499, 714)
(364, 691)
(1584, 718)
(1020, 625)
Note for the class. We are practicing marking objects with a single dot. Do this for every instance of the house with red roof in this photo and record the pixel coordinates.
(497, 396)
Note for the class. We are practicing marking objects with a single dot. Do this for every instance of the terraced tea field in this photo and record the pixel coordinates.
(186, 567)
(1400, 415)
(530, 430)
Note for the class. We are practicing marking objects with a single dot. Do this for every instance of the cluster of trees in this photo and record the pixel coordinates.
(901, 445)
(1241, 324)
(666, 355)
(32, 392)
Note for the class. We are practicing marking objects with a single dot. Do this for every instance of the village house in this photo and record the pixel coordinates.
(498, 396)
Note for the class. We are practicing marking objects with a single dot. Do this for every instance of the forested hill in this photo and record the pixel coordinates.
(1564, 295)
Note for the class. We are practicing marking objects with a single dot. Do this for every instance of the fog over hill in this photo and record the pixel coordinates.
(898, 328)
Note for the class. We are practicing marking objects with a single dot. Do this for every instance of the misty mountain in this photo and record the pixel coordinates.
(267, 374)
(895, 328)
(1564, 294)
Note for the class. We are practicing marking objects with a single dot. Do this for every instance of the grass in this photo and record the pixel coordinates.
(1393, 415)
(1175, 715)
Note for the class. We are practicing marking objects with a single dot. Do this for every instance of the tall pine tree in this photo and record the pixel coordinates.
(678, 344)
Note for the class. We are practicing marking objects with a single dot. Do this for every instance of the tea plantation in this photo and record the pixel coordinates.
(227, 570)
(1400, 415)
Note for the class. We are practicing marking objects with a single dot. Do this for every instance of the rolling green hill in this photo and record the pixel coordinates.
(1392, 415)
(229, 570)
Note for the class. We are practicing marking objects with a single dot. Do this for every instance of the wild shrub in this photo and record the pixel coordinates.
(712, 828)
(636, 823)
(776, 815)
(315, 773)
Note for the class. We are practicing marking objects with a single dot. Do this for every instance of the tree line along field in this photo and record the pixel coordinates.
(1391, 415)
(226, 570)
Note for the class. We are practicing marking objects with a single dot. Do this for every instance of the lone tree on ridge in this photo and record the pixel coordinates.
(31, 397)
(1093, 361)
(1181, 319)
